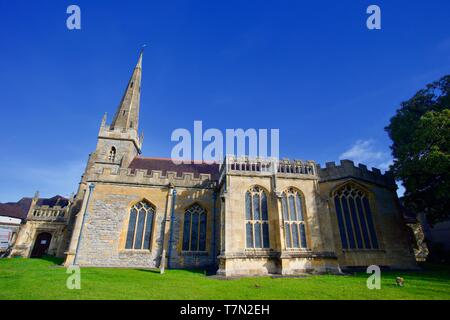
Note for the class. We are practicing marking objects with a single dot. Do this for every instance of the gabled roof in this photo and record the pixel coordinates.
(165, 165)
(20, 208)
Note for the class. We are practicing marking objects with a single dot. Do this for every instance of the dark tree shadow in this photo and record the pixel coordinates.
(54, 260)
(207, 271)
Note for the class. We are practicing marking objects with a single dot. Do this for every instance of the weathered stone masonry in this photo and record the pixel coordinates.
(276, 233)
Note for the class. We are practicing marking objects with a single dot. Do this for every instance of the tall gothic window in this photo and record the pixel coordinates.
(140, 226)
(256, 218)
(293, 219)
(354, 217)
(194, 231)
(112, 154)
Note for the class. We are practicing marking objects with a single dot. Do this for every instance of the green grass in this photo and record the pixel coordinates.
(45, 279)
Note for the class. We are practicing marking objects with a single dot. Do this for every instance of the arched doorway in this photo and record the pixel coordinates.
(41, 245)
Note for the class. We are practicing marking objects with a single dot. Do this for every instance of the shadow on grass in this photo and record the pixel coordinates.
(427, 272)
(149, 270)
(52, 259)
(205, 271)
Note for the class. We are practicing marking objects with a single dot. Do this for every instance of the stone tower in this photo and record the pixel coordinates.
(119, 143)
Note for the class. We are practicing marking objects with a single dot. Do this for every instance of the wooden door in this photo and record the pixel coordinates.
(41, 245)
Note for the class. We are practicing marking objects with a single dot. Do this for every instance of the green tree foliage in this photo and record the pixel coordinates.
(420, 132)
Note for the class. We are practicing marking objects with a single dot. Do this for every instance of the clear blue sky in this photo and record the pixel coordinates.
(310, 68)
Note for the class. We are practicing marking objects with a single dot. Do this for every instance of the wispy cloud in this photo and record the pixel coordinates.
(365, 152)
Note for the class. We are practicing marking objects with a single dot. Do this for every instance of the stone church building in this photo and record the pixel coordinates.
(242, 217)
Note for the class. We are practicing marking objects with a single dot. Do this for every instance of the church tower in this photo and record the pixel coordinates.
(119, 143)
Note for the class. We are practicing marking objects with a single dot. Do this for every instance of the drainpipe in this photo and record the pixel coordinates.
(172, 218)
(214, 227)
(91, 189)
(166, 226)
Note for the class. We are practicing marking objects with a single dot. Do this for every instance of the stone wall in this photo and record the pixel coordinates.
(236, 259)
(104, 231)
(395, 249)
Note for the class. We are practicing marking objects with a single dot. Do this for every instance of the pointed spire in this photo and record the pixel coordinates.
(127, 114)
(105, 116)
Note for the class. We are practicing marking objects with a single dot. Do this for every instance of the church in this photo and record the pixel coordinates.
(243, 216)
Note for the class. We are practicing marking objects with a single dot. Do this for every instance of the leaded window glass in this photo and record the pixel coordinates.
(294, 219)
(257, 218)
(140, 223)
(354, 216)
(194, 229)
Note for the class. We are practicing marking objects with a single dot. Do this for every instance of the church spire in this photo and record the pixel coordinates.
(127, 115)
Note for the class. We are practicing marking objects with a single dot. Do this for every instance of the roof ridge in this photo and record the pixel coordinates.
(170, 159)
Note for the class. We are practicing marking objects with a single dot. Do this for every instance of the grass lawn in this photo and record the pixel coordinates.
(45, 279)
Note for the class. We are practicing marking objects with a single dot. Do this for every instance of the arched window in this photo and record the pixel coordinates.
(140, 226)
(194, 230)
(294, 219)
(354, 217)
(112, 154)
(256, 218)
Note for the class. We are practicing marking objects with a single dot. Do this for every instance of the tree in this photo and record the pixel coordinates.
(420, 132)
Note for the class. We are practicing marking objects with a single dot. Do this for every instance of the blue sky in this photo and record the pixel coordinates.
(313, 70)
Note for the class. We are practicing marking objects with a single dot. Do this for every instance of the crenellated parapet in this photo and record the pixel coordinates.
(153, 178)
(267, 167)
(347, 169)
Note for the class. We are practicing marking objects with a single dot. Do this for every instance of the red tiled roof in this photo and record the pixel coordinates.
(165, 165)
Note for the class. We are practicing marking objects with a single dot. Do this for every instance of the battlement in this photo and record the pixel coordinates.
(152, 177)
(347, 169)
(267, 166)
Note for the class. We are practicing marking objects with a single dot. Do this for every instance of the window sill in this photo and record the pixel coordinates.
(297, 250)
(258, 251)
(139, 251)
